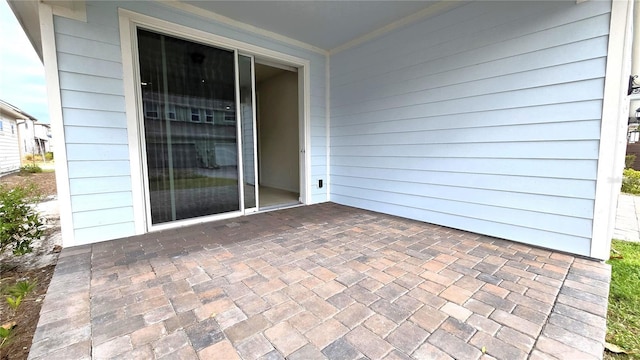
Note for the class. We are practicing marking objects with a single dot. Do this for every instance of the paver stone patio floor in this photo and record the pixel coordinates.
(321, 282)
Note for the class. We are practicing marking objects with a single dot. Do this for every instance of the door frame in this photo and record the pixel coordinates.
(256, 190)
(129, 21)
(302, 153)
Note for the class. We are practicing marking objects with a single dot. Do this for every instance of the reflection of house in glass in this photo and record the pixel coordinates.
(202, 131)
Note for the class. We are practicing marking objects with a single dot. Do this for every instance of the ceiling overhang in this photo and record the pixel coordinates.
(325, 27)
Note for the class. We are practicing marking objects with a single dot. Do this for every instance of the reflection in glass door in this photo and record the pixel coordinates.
(190, 127)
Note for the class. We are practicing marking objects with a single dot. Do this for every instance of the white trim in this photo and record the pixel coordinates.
(276, 65)
(239, 142)
(327, 104)
(615, 110)
(50, 60)
(304, 111)
(254, 104)
(194, 10)
(430, 10)
(72, 9)
(204, 37)
(193, 221)
(128, 44)
(129, 21)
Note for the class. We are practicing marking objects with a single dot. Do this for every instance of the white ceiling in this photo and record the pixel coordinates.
(324, 24)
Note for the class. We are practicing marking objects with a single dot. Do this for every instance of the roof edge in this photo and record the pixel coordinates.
(7, 108)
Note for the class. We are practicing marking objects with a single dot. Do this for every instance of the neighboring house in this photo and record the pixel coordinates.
(10, 117)
(507, 119)
(35, 138)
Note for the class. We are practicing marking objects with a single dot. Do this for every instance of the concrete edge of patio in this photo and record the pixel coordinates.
(64, 329)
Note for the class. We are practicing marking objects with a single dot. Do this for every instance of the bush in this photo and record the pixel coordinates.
(49, 156)
(28, 157)
(20, 223)
(31, 169)
(631, 181)
(629, 160)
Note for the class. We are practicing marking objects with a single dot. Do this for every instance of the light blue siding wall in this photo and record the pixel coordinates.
(485, 118)
(92, 92)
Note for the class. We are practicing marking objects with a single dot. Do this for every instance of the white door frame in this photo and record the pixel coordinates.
(256, 191)
(129, 22)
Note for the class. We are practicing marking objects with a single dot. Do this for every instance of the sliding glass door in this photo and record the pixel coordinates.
(188, 93)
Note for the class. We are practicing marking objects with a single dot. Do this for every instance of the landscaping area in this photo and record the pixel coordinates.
(623, 317)
(24, 275)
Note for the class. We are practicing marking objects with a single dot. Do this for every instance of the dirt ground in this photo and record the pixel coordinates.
(36, 267)
(45, 181)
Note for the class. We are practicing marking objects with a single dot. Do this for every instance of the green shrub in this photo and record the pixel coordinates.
(631, 181)
(48, 156)
(20, 223)
(629, 160)
(22, 288)
(30, 169)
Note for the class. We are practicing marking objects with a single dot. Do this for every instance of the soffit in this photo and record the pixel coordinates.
(323, 24)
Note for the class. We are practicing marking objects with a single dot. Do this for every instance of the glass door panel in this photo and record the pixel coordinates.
(190, 134)
(245, 76)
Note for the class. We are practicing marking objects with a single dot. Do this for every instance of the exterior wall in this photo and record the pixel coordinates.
(485, 118)
(9, 146)
(93, 105)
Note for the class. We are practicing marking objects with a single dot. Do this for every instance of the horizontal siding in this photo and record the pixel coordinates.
(95, 218)
(99, 185)
(558, 168)
(97, 152)
(95, 135)
(95, 125)
(551, 113)
(87, 169)
(104, 232)
(112, 200)
(485, 118)
(9, 147)
(94, 118)
(553, 204)
(533, 236)
(90, 84)
(572, 188)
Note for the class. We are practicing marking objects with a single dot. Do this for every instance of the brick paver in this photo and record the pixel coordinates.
(321, 282)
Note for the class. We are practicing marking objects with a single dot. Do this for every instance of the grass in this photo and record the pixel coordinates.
(623, 318)
(191, 183)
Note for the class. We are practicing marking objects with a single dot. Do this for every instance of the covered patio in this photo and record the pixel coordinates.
(321, 282)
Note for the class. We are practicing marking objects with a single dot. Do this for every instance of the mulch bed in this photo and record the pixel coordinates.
(26, 316)
(13, 269)
(45, 181)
